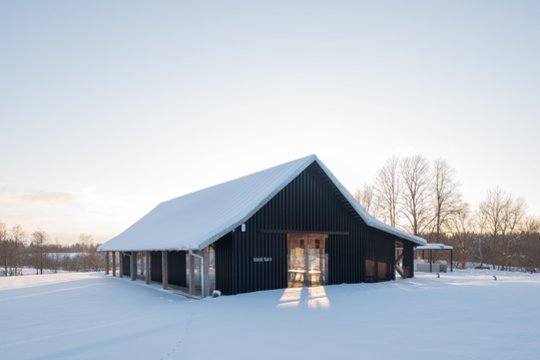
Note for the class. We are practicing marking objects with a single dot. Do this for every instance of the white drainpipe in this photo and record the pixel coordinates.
(202, 270)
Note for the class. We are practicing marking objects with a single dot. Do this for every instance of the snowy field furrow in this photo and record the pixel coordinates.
(462, 315)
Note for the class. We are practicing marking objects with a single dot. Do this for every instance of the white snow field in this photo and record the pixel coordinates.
(462, 315)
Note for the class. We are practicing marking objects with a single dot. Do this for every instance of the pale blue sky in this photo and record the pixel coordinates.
(109, 107)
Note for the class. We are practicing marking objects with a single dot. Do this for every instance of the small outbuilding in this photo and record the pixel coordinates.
(290, 225)
(427, 262)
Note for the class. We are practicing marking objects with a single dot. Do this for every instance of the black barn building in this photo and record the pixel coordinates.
(288, 226)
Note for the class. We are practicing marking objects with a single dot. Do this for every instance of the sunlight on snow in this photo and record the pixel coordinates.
(312, 297)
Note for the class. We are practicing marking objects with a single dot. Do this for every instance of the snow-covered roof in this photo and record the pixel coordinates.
(196, 220)
(435, 246)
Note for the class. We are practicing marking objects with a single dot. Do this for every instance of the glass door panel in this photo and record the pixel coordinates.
(296, 261)
(315, 256)
(306, 260)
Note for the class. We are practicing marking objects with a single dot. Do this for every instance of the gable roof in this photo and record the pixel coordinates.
(196, 220)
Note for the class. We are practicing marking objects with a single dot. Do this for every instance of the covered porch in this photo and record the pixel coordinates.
(190, 272)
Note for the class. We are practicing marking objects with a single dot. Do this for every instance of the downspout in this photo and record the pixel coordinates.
(202, 270)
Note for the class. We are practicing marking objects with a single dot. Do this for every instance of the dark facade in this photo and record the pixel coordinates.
(156, 268)
(257, 258)
(126, 257)
(177, 268)
(408, 260)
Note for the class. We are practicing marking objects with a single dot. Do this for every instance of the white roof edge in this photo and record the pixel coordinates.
(99, 249)
(435, 246)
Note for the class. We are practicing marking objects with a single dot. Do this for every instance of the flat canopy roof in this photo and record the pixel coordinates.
(435, 246)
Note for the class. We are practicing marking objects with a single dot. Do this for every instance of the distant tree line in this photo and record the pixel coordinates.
(424, 198)
(19, 251)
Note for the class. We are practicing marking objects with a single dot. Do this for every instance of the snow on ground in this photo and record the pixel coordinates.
(462, 315)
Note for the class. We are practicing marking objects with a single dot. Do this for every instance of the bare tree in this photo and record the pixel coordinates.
(4, 248)
(369, 200)
(501, 217)
(55, 256)
(415, 197)
(512, 224)
(39, 240)
(91, 259)
(530, 225)
(513, 215)
(461, 228)
(387, 190)
(11, 249)
(18, 238)
(447, 199)
(492, 211)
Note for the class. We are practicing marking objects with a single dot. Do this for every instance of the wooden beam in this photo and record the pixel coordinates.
(133, 263)
(397, 267)
(114, 263)
(191, 274)
(400, 271)
(164, 269)
(206, 290)
(106, 263)
(147, 258)
(191, 286)
(399, 257)
(270, 231)
(121, 258)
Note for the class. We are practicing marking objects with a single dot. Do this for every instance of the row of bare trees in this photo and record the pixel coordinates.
(425, 199)
(19, 250)
(413, 194)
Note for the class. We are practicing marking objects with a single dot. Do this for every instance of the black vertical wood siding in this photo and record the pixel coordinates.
(408, 260)
(155, 266)
(254, 276)
(225, 266)
(310, 203)
(176, 260)
(126, 264)
(379, 251)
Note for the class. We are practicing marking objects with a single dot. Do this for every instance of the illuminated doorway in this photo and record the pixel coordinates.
(306, 260)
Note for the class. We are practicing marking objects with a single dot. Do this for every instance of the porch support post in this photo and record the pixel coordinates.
(114, 263)
(451, 260)
(133, 263)
(164, 269)
(430, 261)
(147, 258)
(205, 289)
(106, 263)
(121, 259)
(191, 275)
(397, 267)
